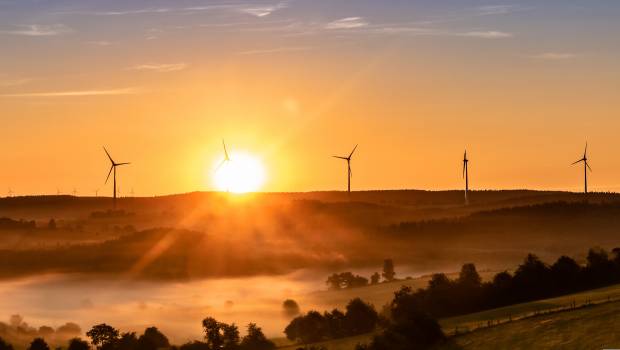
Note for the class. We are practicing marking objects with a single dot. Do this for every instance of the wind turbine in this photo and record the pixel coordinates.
(10, 192)
(225, 161)
(113, 168)
(226, 157)
(466, 176)
(586, 167)
(349, 173)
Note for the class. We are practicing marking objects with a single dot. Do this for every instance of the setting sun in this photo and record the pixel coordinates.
(241, 173)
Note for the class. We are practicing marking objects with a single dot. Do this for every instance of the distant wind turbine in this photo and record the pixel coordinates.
(113, 168)
(226, 157)
(586, 167)
(10, 192)
(74, 192)
(466, 176)
(225, 161)
(349, 173)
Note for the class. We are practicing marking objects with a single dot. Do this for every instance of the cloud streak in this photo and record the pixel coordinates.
(347, 23)
(161, 67)
(15, 82)
(554, 56)
(77, 93)
(262, 11)
(38, 30)
(490, 34)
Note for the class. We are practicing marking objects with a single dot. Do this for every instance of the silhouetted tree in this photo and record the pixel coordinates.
(4, 345)
(335, 323)
(409, 329)
(152, 339)
(388, 270)
(307, 329)
(360, 317)
(78, 344)
(127, 341)
(230, 334)
(599, 270)
(346, 280)
(102, 335)
(213, 333)
(566, 274)
(256, 340)
(219, 335)
(500, 290)
(469, 277)
(374, 279)
(290, 307)
(532, 279)
(38, 344)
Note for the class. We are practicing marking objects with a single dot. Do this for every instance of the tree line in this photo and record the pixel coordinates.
(345, 280)
(533, 279)
(217, 336)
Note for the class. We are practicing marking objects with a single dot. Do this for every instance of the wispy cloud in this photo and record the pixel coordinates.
(160, 67)
(38, 30)
(251, 9)
(554, 56)
(78, 93)
(491, 34)
(264, 10)
(15, 82)
(275, 50)
(347, 23)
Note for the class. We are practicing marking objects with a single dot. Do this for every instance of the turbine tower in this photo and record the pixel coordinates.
(466, 176)
(113, 168)
(349, 173)
(586, 167)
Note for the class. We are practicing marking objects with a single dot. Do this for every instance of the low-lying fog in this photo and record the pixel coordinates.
(176, 308)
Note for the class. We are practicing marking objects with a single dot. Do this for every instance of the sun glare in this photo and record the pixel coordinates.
(241, 174)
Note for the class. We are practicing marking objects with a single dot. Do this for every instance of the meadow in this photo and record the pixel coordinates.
(170, 261)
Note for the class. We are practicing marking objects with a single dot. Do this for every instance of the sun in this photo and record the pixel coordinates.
(241, 174)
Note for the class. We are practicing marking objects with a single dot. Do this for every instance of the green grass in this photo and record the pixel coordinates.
(503, 313)
(594, 327)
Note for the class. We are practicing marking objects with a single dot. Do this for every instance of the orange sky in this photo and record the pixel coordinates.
(521, 86)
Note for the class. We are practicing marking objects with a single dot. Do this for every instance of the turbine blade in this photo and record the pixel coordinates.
(122, 164)
(464, 169)
(585, 151)
(225, 151)
(354, 148)
(580, 160)
(588, 165)
(221, 164)
(107, 178)
(345, 158)
(110, 157)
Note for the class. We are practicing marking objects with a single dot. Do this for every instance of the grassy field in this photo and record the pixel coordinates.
(595, 327)
(588, 328)
(481, 318)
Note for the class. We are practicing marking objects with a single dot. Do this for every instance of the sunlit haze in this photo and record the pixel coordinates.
(160, 83)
